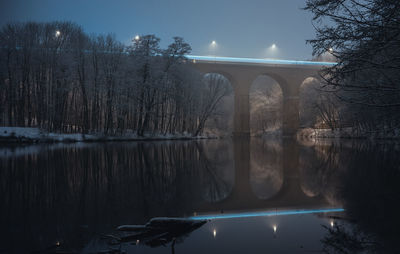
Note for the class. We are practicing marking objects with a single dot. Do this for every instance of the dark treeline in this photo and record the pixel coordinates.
(363, 177)
(103, 186)
(363, 89)
(56, 77)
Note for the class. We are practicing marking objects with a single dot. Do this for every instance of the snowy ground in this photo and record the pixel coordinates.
(347, 133)
(24, 134)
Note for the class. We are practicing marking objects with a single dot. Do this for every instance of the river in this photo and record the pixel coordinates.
(255, 196)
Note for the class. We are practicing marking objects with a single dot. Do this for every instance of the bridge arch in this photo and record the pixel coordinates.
(308, 96)
(266, 168)
(221, 83)
(224, 74)
(266, 97)
(280, 80)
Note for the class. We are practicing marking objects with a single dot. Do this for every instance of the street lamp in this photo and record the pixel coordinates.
(273, 46)
(58, 33)
(213, 47)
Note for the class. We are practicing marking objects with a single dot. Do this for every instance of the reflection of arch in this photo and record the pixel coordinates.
(309, 167)
(266, 172)
(244, 195)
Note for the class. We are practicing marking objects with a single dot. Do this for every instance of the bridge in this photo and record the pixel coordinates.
(241, 72)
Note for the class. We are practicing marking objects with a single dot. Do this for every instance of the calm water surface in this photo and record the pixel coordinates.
(70, 198)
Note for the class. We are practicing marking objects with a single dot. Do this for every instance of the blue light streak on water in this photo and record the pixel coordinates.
(256, 60)
(259, 214)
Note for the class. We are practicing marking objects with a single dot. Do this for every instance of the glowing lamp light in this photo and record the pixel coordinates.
(275, 229)
(214, 233)
(330, 50)
(273, 46)
(137, 242)
(137, 37)
(214, 43)
(58, 243)
(332, 223)
(58, 33)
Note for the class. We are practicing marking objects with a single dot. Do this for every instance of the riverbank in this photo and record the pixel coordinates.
(36, 135)
(345, 133)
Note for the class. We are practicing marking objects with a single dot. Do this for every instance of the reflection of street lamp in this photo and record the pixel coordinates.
(215, 233)
(332, 223)
(275, 227)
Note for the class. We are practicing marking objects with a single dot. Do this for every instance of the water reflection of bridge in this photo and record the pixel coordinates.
(242, 196)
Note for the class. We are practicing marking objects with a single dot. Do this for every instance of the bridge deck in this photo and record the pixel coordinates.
(241, 60)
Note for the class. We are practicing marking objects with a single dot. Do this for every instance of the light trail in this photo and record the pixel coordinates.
(261, 214)
(255, 60)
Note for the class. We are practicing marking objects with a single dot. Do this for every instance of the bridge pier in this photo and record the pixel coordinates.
(241, 121)
(241, 114)
(290, 116)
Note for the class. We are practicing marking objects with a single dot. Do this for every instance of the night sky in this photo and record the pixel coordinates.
(241, 28)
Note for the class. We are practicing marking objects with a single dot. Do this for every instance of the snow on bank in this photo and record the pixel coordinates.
(273, 133)
(347, 133)
(24, 134)
(324, 133)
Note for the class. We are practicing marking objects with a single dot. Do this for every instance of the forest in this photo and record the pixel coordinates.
(56, 77)
(362, 91)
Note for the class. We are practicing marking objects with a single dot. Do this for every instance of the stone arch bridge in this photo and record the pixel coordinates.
(241, 72)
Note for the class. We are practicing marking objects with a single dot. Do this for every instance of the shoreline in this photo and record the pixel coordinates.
(24, 140)
(27, 135)
(20, 135)
(344, 134)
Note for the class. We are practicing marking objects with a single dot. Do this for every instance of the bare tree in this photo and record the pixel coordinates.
(216, 87)
(54, 76)
(364, 37)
